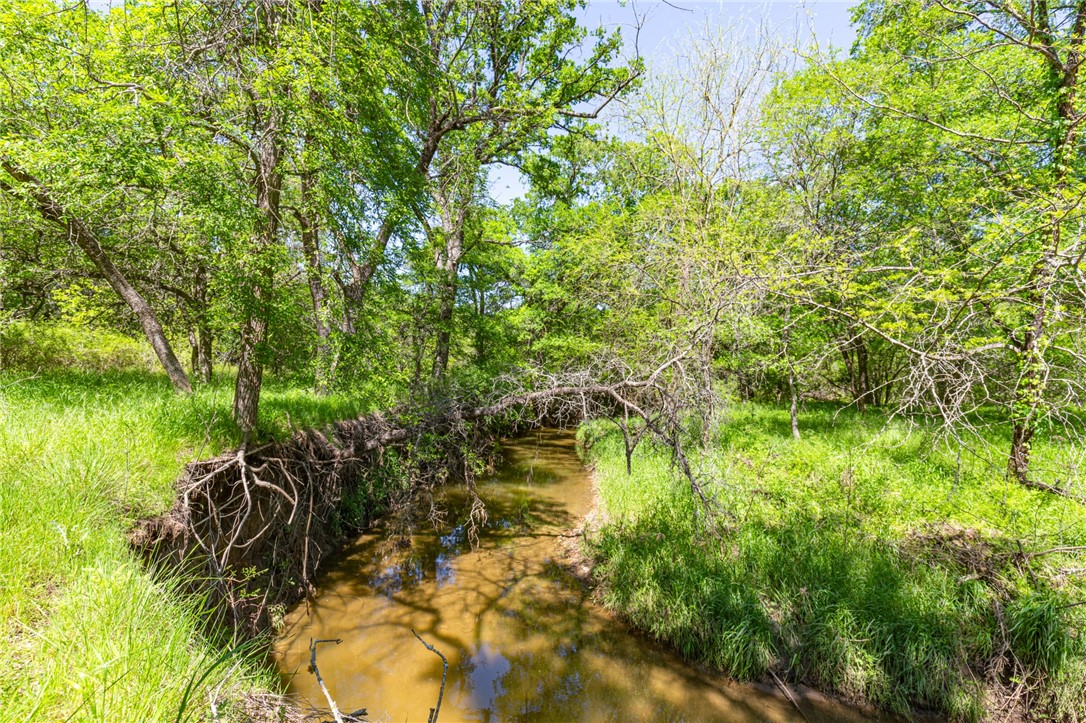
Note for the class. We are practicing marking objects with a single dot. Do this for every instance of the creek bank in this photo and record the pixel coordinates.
(581, 566)
(922, 616)
(524, 639)
(253, 526)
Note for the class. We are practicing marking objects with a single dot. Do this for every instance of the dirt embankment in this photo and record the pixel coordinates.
(253, 525)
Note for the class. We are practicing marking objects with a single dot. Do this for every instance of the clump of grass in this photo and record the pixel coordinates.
(86, 630)
(1038, 632)
(864, 559)
(118, 646)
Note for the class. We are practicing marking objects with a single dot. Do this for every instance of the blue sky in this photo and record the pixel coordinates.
(666, 23)
(665, 26)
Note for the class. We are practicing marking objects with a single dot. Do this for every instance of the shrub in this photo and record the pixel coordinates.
(35, 347)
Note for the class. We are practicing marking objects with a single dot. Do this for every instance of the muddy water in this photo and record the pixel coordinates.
(523, 640)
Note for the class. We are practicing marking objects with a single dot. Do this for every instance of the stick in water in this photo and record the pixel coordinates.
(445, 671)
(320, 681)
(788, 692)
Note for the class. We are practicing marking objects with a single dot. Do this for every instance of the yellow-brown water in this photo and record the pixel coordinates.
(523, 639)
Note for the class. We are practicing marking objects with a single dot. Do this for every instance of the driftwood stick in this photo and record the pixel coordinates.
(788, 693)
(432, 718)
(320, 681)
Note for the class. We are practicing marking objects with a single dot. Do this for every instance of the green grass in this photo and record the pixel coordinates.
(85, 630)
(860, 559)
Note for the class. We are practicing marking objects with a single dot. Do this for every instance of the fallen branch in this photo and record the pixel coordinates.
(1056, 550)
(253, 516)
(788, 693)
(1052, 489)
(320, 681)
(432, 718)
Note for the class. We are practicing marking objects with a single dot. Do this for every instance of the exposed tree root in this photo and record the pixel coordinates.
(258, 521)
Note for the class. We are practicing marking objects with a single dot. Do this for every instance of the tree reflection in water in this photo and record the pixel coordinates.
(523, 640)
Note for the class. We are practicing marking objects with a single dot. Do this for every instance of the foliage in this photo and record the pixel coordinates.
(34, 347)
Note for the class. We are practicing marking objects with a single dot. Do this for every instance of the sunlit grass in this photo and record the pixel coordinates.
(86, 631)
(866, 559)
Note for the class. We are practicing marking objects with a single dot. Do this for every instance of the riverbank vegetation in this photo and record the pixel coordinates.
(868, 558)
(88, 632)
(838, 293)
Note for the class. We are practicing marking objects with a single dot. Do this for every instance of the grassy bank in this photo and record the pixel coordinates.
(865, 559)
(85, 631)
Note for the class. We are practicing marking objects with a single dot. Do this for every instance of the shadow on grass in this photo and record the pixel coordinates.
(812, 597)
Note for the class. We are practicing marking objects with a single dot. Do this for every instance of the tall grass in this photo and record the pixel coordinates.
(85, 630)
(867, 559)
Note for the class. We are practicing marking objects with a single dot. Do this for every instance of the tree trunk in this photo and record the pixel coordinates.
(863, 389)
(1033, 374)
(85, 239)
(447, 259)
(446, 304)
(203, 353)
(314, 274)
(854, 353)
(362, 272)
(250, 376)
(1029, 393)
(268, 183)
(1018, 462)
(786, 338)
(193, 346)
(203, 366)
(793, 409)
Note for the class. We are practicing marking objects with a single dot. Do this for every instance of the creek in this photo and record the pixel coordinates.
(524, 640)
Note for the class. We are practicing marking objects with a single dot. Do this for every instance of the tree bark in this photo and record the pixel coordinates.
(194, 346)
(854, 353)
(793, 408)
(443, 342)
(250, 375)
(863, 391)
(268, 183)
(1029, 392)
(85, 239)
(203, 364)
(203, 354)
(447, 258)
(325, 366)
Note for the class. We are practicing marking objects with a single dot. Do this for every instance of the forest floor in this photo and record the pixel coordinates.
(86, 632)
(868, 559)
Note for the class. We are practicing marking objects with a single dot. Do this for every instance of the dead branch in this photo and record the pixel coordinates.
(320, 681)
(432, 718)
(259, 518)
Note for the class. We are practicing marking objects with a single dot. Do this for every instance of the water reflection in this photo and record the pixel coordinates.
(523, 640)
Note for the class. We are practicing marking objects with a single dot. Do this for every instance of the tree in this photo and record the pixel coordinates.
(497, 78)
(85, 91)
(993, 89)
(279, 88)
